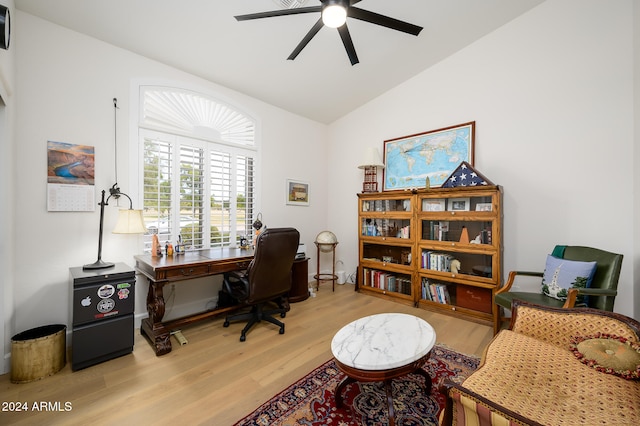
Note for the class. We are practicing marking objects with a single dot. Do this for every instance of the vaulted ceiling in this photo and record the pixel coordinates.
(202, 37)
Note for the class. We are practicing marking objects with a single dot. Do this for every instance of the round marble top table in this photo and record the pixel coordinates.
(380, 348)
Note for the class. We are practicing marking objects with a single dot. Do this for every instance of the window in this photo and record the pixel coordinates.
(199, 169)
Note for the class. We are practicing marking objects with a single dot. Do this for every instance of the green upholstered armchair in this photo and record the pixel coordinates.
(602, 291)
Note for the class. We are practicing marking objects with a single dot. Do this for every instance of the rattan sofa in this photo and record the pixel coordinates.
(530, 376)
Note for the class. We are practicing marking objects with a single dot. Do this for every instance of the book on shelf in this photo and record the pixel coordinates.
(386, 281)
(436, 261)
(439, 230)
(435, 292)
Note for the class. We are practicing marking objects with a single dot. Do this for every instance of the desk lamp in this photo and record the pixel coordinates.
(370, 165)
(130, 221)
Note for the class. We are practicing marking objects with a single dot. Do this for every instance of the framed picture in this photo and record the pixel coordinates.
(297, 193)
(484, 207)
(433, 205)
(435, 154)
(459, 204)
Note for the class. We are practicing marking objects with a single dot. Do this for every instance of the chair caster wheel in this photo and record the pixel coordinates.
(281, 330)
(243, 338)
(226, 324)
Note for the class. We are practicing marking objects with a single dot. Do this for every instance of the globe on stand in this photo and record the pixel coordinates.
(326, 239)
(326, 242)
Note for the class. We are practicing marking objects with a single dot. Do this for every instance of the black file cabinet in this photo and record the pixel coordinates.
(103, 304)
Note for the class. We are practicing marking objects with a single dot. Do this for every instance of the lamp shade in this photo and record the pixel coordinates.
(130, 222)
(371, 159)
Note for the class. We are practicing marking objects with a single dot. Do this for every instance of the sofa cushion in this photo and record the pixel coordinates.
(547, 384)
(608, 354)
(560, 275)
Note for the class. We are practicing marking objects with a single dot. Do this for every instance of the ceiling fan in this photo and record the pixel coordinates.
(333, 14)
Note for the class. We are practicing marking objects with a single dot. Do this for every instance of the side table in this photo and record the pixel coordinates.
(103, 302)
(299, 280)
(383, 347)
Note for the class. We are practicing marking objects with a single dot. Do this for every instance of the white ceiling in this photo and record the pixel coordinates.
(203, 38)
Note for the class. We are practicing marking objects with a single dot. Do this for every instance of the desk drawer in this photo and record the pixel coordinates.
(187, 272)
(239, 265)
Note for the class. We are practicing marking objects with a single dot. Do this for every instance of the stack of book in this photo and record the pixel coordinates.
(436, 261)
(386, 281)
(435, 292)
(439, 231)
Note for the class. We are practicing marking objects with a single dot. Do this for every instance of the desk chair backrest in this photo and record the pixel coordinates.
(607, 271)
(269, 272)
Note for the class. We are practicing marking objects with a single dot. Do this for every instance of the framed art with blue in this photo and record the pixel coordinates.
(410, 160)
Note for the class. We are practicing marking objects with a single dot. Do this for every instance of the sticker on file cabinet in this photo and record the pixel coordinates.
(124, 285)
(86, 301)
(123, 293)
(106, 291)
(106, 305)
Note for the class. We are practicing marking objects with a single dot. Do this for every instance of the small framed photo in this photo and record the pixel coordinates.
(433, 205)
(459, 204)
(484, 207)
(297, 193)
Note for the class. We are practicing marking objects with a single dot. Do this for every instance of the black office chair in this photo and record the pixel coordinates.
(266, 281)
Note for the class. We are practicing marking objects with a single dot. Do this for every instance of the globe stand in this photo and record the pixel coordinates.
(326, 247)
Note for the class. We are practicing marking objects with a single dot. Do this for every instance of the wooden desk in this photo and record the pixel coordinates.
(170, 269)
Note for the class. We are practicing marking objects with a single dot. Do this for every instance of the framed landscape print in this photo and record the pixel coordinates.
(435, 154)
(297, 193)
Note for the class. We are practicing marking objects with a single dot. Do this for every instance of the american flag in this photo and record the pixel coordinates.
(466, 175)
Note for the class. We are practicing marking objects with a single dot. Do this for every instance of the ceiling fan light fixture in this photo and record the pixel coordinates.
(290, 4)
(334, 14)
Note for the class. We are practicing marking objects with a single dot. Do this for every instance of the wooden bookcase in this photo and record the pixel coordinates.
(410, 243)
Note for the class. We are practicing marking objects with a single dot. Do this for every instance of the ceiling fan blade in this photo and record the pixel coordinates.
(385, 21)
(312, 32)
(348, 44)
(282, 12)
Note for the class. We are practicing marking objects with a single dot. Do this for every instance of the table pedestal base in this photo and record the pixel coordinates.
(386, 376)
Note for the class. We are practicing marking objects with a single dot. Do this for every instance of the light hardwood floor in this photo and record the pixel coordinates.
(215, 379)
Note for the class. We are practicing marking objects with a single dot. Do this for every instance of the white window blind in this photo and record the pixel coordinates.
(199, 170)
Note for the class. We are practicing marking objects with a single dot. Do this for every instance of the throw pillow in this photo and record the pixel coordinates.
(561, 274)
(609, 354)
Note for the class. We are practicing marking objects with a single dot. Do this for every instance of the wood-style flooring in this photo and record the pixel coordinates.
(215, 379)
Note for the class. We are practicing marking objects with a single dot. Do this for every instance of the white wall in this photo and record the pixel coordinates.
(636, 157)
(552, 96)
(66, 84)
(7, 112)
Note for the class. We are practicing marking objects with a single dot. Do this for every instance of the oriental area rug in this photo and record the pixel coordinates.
(311, 400)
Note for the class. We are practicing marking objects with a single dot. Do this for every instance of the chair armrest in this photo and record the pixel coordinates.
(596, 291)
(473, 405)
(236, 284)
(512, 278)
(573, 294)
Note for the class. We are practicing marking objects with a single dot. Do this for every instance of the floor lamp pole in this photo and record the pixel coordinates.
(99, 264)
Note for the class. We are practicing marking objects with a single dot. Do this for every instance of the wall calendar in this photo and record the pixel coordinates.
(70, 177)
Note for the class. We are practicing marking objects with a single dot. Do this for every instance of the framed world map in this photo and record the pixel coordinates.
(410, 160)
